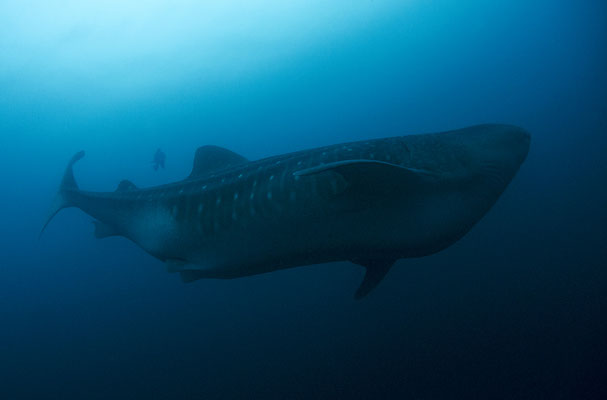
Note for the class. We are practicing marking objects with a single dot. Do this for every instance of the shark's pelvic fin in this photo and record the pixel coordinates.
(210, 159)
(104, 230)
(68, 183)
(371, 176)
(376, 271)
(190, 275)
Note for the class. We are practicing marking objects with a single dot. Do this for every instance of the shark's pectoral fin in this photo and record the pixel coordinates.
(104, 230)
(373, 177)
(376, 271)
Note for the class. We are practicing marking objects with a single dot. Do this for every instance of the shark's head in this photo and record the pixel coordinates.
(497, 151)
(507, 144)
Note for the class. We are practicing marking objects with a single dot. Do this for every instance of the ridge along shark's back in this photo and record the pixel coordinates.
(370, 202)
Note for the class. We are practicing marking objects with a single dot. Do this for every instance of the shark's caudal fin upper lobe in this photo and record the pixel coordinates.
(68, 182)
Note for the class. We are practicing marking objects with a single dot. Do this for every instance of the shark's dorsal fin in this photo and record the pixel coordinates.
(125, 186)
(209, 159)
(377, 268)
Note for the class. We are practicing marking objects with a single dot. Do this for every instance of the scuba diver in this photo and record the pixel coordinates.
(158, 160)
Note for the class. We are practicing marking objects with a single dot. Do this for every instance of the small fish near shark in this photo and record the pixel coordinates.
(370, 202)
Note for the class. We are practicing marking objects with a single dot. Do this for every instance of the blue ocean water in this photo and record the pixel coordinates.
(516, 309)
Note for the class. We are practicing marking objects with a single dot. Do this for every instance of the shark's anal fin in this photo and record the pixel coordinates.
(373, 177)
(175, 265)
(377, 268)
(187, 275)
(104, 230)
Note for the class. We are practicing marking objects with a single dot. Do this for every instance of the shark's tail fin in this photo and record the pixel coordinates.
(68, 183)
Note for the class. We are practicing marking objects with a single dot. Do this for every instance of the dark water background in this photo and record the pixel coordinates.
(517, 309)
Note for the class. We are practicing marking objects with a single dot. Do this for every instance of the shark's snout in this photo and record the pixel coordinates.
(515, 141)
(496, 152)
(504, 150)
(507, 145)
(518, 135)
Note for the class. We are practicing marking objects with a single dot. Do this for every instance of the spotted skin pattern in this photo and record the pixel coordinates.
(371, 202)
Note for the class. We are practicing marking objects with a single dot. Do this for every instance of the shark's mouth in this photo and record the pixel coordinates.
(494, 175)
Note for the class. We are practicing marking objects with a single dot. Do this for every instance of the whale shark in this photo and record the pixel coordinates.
(369, 202)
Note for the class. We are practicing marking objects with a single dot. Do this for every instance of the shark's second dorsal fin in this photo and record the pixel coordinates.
(209, 159)
(125, 186)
